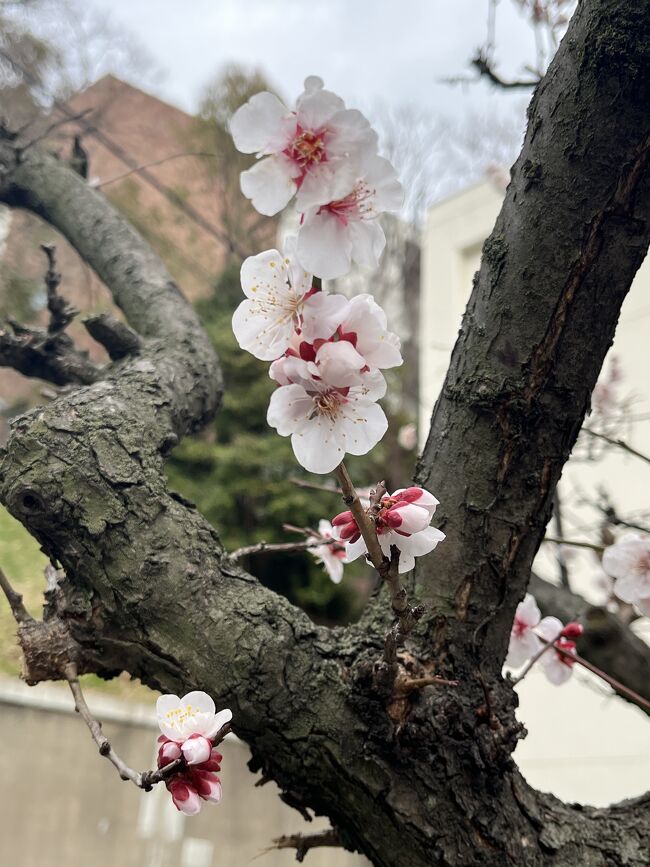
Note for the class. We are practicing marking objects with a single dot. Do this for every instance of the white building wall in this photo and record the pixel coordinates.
(583, 744)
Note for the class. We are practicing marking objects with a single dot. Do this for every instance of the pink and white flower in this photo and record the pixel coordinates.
(524, 642)
(184, 796)
(280, 301)
(628, 562)
(403, 521)
(557, 667)
(326, 421)
(331, 555)
(195, 713)
(335, 233)
(315, 150)
(196, 749)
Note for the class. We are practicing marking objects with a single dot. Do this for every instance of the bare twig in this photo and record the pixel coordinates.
(302, 483)
(621, 444)
(612, 681)
(406, 615)
(117, 338)
(546, 646)
(572, 543)
(482, 64)
(15, 600)
(279, 547)
(48, 354)
(557, 514)
(142, 779)
(302, 843)
(364, 522)
(55, 125)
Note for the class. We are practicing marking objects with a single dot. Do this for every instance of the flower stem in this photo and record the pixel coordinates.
(615, 684)
(364, 522)
(547, 646)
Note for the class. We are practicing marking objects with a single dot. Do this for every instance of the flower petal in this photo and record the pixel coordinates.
(269, 185)
(324, 246)
(256, 127)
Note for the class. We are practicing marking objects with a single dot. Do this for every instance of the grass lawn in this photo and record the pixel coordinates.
(23, 563)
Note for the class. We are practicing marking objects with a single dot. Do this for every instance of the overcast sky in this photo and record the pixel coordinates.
(395, 50)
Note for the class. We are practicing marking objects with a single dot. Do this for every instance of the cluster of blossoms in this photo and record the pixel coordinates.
(531, 633)
(327, 352)
(628, 563)
(401, 519)
(189, 727)
(326, 155)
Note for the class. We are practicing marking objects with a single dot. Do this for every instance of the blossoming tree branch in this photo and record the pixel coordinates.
(401, 727)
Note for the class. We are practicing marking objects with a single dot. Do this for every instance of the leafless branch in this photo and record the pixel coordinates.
(406, 615)
(302, 843)
(142, 779)
(15, 600)
(279, 547)
(115, 336)
(302, 483)
(48, 354)
(574, 544)
(621, 444)
(612, 681)
(364, 522)
(484, 67)
(53, 126)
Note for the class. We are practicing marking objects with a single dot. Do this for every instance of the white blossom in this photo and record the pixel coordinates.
(331, 555)
(326, 421)
(279, 300)
(195, 713)
(628, 562)
(334, 234)
(315, 150)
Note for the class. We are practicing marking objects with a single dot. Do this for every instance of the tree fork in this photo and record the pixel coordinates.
(146, 574)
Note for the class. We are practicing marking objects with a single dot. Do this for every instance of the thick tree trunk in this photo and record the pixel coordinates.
(423, 780)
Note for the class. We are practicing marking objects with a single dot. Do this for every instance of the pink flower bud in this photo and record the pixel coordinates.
(168, 752)
(572, 630)
(207, 785)
(185, 797)
(196, 749)
(342, 518)
(213, 763)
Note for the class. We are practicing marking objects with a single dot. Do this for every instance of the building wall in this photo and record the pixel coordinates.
(583, 744)
(62, 805)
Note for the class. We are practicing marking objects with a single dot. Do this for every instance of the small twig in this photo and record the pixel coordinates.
(142, 779)
(557, 514)
(301, 483)
(364, 522)
(302, 843)
(117, 338)
(615, 684)
(55, 125)
(574, 544)
(547, 645)
(15, 600)
(61, 311)
(266, 548)
(621, 444)
(482, 64)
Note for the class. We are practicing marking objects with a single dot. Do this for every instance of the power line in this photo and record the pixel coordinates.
(118, 151)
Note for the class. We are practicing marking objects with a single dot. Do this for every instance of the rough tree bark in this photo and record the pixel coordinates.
(422, 780)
